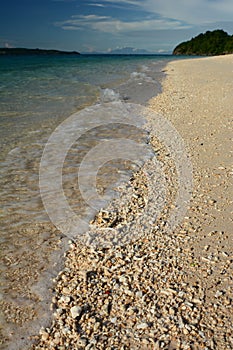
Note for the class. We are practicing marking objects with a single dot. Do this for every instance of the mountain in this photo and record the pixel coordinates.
(212, 43)
(128, 51)
(23, 51)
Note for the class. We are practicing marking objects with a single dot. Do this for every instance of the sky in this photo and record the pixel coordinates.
(103, 25)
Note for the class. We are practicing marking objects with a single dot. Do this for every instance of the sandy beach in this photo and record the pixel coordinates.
(166, 289)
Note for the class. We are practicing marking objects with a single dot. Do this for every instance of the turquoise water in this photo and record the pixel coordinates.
(36, 95)
(35, 89)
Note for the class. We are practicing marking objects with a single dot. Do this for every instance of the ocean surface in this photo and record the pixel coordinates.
(88, 99)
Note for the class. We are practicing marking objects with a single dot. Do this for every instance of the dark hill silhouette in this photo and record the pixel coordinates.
(23, 51)
(212, 43)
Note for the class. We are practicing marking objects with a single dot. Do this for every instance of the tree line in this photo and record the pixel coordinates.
(210, 43)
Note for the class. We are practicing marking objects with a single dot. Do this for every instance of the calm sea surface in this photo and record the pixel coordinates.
(37, 94)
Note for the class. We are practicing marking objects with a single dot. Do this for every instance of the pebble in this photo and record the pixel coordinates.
(142, 326)
(75, 311)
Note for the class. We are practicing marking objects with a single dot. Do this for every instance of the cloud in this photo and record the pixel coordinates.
(108, 24)
(120, 4)
(194, 12)
(8, 46)
(7, 43)
(112, 26)
(81, 22)
(123, 2)
(63, 0)
(151, 16)
(96, 5)
(190, 11)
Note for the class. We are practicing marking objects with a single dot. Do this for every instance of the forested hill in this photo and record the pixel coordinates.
(23, 51)
(216, 42)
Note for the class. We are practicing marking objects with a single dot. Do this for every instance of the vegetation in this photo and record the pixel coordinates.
(216, 42)
(23, 51)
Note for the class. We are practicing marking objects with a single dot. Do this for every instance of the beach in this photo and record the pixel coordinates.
(169, 287)
(38, 94)
(166, 290)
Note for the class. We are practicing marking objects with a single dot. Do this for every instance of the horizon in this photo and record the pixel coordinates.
(117, 51)
(134, 51)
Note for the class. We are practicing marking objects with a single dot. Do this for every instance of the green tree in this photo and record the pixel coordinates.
(216, 42)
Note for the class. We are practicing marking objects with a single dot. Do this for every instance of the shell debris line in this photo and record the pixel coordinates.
(160, 289)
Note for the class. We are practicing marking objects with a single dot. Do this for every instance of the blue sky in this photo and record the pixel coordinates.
(102, 25)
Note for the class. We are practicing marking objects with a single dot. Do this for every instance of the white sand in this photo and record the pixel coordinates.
(171, 290)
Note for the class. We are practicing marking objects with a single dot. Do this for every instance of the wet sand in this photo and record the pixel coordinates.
(164, 289)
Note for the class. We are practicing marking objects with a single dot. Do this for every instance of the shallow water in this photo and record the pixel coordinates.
(38, 95)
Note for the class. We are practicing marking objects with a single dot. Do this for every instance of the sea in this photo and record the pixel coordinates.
(55, 111)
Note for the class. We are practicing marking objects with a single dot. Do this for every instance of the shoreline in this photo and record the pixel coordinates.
(34, 280)
(174, 292)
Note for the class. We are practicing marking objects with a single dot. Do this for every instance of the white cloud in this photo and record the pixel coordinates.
(112, 26)
(155, 15)
(7, 45)
(96, 5)
(108, 24)
(79, 22)
(195, 12)
(124, 2)
(63, 0)
(90, 18)
(190, 11)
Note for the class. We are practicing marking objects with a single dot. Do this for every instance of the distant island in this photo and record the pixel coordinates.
(128, 51)
(120, 51)
(212, 43)
(23, 51)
